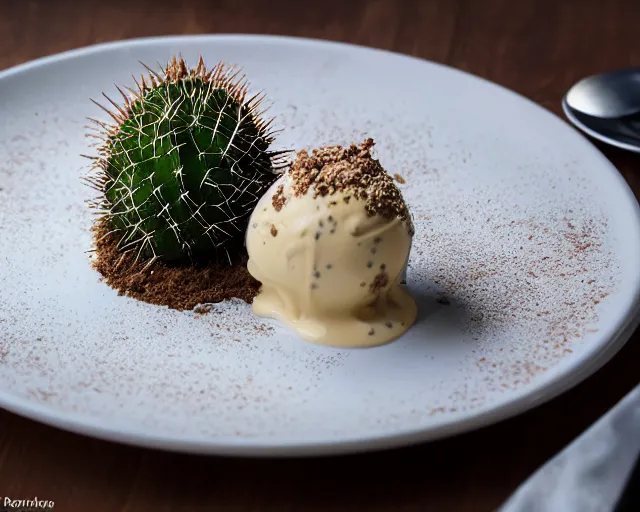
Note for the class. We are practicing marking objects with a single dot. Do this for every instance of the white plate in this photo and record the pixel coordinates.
(524, 227)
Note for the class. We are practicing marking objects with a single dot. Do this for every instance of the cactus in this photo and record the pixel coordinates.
(183, 164)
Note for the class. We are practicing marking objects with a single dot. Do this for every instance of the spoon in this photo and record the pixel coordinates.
(607, 107)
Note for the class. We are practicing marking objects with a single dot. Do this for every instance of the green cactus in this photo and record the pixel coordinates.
(184, 163)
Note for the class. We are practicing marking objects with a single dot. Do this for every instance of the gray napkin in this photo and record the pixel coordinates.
(590, 474)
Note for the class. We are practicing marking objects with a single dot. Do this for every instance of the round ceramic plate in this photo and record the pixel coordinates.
(524, 263)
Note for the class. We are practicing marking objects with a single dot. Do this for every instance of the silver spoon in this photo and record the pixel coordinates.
(607, 107)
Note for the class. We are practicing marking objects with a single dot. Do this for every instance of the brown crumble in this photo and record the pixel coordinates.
(316, 274)
(383, 267)
(332, 231)
(178, 287)
(318, 235)
(334, 169)
(399, 179)
(377, 240)
(373, 250)
(320, 223)
(314, 286)
(274, 230)
(278, 200)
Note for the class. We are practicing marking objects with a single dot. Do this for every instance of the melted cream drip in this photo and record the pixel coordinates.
(317, 271)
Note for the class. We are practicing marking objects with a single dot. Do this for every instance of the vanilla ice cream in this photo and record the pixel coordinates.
(330, 242)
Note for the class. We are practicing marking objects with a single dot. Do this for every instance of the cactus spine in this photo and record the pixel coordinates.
(183, 164)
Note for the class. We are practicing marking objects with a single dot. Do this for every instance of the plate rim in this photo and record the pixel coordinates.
(560, 380)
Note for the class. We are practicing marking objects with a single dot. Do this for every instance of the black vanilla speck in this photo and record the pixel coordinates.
(329, 266)
(373, 250)
(389, 325)
(371, 332)
(363, 284)
(370, 264)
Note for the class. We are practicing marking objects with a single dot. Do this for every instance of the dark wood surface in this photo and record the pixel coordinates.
(536, 47)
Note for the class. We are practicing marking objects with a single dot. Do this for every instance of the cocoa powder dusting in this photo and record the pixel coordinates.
(534, 285)
(181, 288)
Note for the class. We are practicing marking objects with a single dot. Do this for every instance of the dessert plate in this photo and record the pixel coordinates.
(524, 263)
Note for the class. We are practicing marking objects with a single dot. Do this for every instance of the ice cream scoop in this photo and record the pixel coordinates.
(330, 242)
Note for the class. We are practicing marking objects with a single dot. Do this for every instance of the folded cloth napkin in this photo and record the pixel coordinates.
(593, 472)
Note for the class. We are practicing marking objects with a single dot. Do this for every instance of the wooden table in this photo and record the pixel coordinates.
(536, 47)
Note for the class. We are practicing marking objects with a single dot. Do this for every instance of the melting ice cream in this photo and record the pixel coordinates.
(329, 243)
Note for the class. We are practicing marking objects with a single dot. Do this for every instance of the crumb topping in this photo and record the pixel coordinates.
(349, 170)
(278, 199)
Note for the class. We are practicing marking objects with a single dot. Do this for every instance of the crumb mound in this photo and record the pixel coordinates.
(181, 288)
(351, 170)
